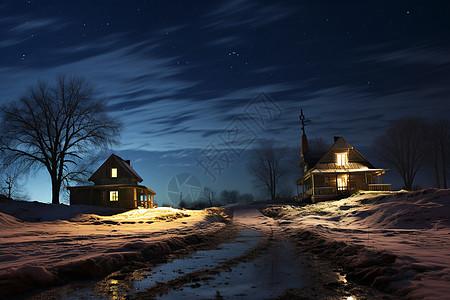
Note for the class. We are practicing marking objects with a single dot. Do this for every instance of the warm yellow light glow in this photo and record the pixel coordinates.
(342, 182)
(351, 298)
(342, 279)
(114, 172)
(114, 196)
(341, 159)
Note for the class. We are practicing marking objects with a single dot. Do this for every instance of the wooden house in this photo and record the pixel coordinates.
(115, 185)
(337, 173)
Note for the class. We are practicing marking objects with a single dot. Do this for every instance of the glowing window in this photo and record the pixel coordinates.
(341, 159)
(114, 196)
(114, 172)
(342, 182)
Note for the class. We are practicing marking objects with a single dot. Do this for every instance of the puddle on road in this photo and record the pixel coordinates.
(267, 276)
(203, 259)
(273, 271)
(207, 259)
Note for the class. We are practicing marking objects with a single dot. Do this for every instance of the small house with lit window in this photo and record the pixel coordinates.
(337, 173)
(115, 184)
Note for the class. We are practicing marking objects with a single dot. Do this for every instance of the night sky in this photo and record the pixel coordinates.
(182, 76)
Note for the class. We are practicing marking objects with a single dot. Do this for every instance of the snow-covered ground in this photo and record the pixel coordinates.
(398, 242)
(45, 253)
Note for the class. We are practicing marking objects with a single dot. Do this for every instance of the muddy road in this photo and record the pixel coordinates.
(255, 259)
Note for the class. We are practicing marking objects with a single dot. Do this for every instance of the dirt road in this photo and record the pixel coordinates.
(256, 259)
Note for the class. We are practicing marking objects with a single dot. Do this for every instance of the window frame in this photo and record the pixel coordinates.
(114, 172)
(113, 196)
(342, 182)
(342, 159)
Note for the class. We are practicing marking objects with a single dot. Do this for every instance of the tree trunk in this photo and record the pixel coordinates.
(405, 181)
(273, 187)
(56, 187)
(444, 166)
(436, 170)
(9, 189)
(408, 182)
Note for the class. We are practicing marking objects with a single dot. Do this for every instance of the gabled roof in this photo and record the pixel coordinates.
(126, 166)
(327, 163)
(341, 144)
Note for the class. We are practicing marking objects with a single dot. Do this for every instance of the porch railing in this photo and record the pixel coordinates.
(328, 190)
(307, 194)
(379, 187)
(320, 191)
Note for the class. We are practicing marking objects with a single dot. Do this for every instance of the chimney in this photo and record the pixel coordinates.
(128, 162)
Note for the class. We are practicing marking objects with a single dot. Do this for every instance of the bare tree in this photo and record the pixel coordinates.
(404, 147)
(209, 196)
(54, 126)
(229, 197)
(268, 164)
(9, 182)
(439, 149)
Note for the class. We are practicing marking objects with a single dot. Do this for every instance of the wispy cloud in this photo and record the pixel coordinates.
(426, 54)
(268, 69)
(51, 24)
(239, 13)
(11, 42)
(228, 41)
(359, 114)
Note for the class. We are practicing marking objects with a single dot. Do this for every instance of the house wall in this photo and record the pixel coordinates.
(103, 175)
(357, 181)
(101, 197)
(84, 196)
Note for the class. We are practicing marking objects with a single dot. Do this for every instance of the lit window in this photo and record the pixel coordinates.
(114, 196)
(342, 182)
(114, 172)
(341, 159)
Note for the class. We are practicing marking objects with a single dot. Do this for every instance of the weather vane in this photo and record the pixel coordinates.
(302, 118)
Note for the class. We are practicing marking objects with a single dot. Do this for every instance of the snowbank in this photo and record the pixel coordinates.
(37, 211)
(398, 243)
(7, 221)
(36, 254)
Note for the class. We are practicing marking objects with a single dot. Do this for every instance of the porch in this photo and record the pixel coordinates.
(319, 185)
(143, 198)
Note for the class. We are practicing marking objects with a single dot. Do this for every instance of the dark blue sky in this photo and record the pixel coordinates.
(182, 74)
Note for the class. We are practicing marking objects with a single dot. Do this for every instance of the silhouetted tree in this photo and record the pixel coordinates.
(439, 149)
(9, 182)
(268, 164)
(404, 147)
(181, 204)
(229, 197)
(53, 126)
(209, 196)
